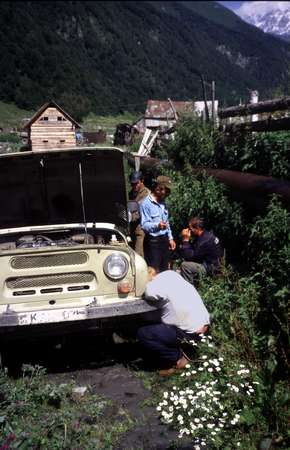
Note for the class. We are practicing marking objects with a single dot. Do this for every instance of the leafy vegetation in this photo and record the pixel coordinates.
(216, 401)
(10, 137)
(249, 309)
(250, 325)
(110, 57)
(197, 144)
(205, 197)
(39, 414)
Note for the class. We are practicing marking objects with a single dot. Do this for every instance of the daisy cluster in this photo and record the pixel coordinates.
(209, 398)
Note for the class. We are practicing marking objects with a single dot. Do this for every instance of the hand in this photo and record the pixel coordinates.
(172, 245)
(162, 225)
(185, 234)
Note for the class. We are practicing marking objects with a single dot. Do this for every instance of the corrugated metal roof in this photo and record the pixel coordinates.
(161, 109)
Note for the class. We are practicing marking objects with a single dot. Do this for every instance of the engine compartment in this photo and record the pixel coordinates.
(59, 238)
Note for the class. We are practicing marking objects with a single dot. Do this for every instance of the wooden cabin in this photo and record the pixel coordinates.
(51, 127)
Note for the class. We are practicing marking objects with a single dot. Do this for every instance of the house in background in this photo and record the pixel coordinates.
(161, 117)
(51, 127)
(164, 113)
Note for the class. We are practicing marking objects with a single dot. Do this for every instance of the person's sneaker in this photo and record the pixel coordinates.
(182, 362)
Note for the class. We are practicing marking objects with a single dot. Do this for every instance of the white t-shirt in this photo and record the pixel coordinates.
(181, 304)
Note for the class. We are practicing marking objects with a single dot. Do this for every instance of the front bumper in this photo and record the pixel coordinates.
(13, 319)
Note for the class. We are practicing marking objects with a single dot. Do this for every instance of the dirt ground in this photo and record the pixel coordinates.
(110, 370)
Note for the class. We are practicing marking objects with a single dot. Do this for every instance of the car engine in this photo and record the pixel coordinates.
(66, 238)
(38, 241)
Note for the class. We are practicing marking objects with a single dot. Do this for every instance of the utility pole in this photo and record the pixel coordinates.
(204, 98)
(213, 103)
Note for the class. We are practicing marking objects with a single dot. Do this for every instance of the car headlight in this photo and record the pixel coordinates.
(116, 266)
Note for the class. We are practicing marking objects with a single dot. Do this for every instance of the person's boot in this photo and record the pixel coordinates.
(167, 372)
(182, 362)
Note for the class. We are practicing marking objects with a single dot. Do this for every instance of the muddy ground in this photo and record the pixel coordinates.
(113, 370)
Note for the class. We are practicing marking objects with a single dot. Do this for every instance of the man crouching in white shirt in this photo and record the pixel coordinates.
(183, 317)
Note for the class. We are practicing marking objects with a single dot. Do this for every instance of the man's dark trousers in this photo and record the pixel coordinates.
(161, 340)
(156, 251)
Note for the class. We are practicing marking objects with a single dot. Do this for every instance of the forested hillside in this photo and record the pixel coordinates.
(108, 57)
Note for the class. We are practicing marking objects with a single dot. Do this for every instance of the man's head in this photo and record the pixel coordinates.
(196, 226)
(136, 180)
(162, 187)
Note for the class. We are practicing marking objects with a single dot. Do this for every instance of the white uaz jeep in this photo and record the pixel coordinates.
(64, 257)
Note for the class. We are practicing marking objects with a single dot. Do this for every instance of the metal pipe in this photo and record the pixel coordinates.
(250, 188)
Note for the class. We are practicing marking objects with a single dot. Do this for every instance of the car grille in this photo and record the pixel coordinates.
(59, 259)
(50, 280)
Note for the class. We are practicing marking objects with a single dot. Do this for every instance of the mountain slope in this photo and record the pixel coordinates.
(108, 57)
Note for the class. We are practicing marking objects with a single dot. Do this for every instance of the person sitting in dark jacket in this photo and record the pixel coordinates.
(203, 254)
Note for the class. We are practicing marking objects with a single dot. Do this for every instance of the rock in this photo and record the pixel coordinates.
(81, 390)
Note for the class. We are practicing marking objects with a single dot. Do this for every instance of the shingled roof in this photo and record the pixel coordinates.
(43, 108)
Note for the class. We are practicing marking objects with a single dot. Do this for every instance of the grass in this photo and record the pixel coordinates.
(11, 116)
(36, 413)
(93, 122)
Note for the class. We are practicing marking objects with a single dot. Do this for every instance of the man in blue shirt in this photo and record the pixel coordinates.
(155, 224)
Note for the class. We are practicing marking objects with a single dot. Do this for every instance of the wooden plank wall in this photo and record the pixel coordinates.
(52, 130)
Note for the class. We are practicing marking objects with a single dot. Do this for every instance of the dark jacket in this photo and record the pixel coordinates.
(138, 197)
(205, 249)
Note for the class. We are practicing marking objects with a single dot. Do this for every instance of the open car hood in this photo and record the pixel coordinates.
(63, 186)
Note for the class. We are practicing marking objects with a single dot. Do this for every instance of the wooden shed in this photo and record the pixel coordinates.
(51, 127)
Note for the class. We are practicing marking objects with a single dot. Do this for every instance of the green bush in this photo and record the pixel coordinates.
(205, 197)
(260, 153)
(38, 414)
(217, 401)
(10, 137)
(212, 392)
(269, 257)
(194, 144)
(198, 144)
(250, 311)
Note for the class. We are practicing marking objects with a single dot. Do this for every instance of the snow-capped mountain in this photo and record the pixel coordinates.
(271, 17)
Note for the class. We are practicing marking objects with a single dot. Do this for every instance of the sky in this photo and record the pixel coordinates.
(247, 8)
(232, 5)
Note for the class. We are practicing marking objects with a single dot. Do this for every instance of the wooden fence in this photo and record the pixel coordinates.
(270, 115)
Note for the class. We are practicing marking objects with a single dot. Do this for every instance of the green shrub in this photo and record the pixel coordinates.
(217, 401)
(194, 144)
(198, 144)
(36, 413)
(269, 257)
(10, 137)
(205, 197)
(265, 154)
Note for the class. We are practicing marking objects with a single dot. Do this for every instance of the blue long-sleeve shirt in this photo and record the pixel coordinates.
(152, 213)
